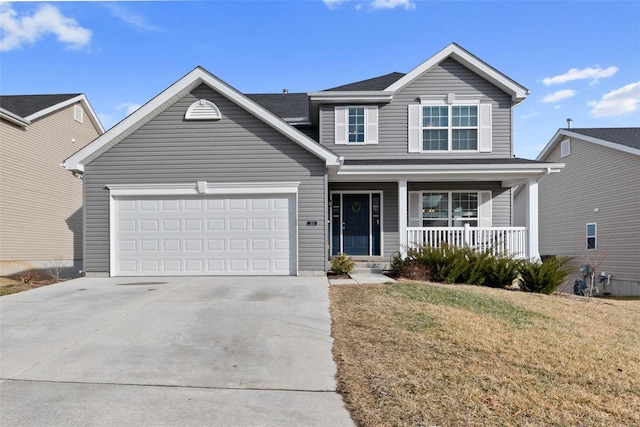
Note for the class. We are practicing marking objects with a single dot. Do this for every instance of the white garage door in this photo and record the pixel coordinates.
(205, 235)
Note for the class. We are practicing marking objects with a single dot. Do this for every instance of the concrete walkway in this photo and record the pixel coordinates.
(363, 278)
(170, 351)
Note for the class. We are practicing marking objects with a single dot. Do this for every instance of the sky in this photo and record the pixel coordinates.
(579, 59)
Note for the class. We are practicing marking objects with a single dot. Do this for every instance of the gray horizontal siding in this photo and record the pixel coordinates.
(594, 177)
(237, 148)
(448, 77)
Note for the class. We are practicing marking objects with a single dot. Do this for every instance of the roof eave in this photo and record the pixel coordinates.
(14, 118)
(351, 96)
(178, 89)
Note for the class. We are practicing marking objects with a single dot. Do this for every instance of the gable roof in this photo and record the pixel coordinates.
(517, 91)
(375, 83)
(26, 105)
(623, 139)
(172, 94)
(26, 108)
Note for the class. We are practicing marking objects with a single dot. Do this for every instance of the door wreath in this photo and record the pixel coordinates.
(355, 207)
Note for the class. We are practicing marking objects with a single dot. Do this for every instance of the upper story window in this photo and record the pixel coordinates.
(356, 131)
(450, 127)
(356, 125)
(458, 134)
(78, 113)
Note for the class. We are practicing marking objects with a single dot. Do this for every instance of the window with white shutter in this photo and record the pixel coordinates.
(356, 125)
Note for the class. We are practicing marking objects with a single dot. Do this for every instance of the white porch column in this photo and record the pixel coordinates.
(532, 219)
(403, 213)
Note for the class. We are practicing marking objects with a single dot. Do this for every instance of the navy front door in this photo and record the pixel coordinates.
(355, 224)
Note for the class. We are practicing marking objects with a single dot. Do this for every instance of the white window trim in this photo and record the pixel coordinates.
(78, 113)
(594, 236)
(370, 193)
(450, 103)
(485, 212)
(341, 126)
(565, 147)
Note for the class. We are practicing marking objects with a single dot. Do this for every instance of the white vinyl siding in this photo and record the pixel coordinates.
(344, 128)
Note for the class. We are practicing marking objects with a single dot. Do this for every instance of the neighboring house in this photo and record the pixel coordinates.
(591, 209)
(205, 180)
(40, 202)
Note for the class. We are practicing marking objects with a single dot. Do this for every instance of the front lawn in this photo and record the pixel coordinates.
(419, 354)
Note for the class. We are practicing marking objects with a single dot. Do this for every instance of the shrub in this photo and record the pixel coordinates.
(342, 264)
(28, 276)
(543, 277)
(415, 271)
(501, 271)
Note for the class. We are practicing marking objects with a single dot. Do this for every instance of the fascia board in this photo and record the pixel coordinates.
(352, 96)
(517, 91)
(503, 173)
(569, 134)
(14, 118)
(80, 98)
(170, 95)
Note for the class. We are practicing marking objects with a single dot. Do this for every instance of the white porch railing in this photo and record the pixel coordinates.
(503, 240)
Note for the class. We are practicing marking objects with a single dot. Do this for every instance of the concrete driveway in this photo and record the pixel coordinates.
(245, 351)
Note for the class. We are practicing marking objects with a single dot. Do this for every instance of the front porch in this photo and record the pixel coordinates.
(511, 241)
(378, 208)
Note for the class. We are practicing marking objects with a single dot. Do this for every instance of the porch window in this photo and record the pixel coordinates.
(592, 236)
(450, 209)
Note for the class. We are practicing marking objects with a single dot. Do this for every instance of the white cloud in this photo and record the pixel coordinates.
(593, 74)
(557, 96)
(136, 21)
(617, 102)
(529, 115)
(392, 4)
(375, 4)
(130, 107)
(332, 4)
(47, 19)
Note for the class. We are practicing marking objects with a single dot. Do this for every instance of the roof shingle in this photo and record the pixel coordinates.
(26, 105)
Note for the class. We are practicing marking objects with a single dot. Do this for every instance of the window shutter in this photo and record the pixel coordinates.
(484, 209)
(341, 114)
(484, 128)
(415, 209)
(415, 128)
(371, 132)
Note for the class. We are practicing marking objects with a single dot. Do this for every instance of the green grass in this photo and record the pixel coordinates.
(464, 300)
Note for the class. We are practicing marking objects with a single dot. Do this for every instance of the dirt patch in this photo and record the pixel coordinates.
(425, 355)
(10, 286)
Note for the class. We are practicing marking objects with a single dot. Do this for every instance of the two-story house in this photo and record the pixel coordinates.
(41, 203)
(205, 180)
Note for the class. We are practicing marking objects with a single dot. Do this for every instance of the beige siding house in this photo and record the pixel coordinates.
(41, 203)
(590, 211)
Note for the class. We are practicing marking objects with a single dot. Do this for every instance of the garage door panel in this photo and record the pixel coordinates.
(205, 235)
